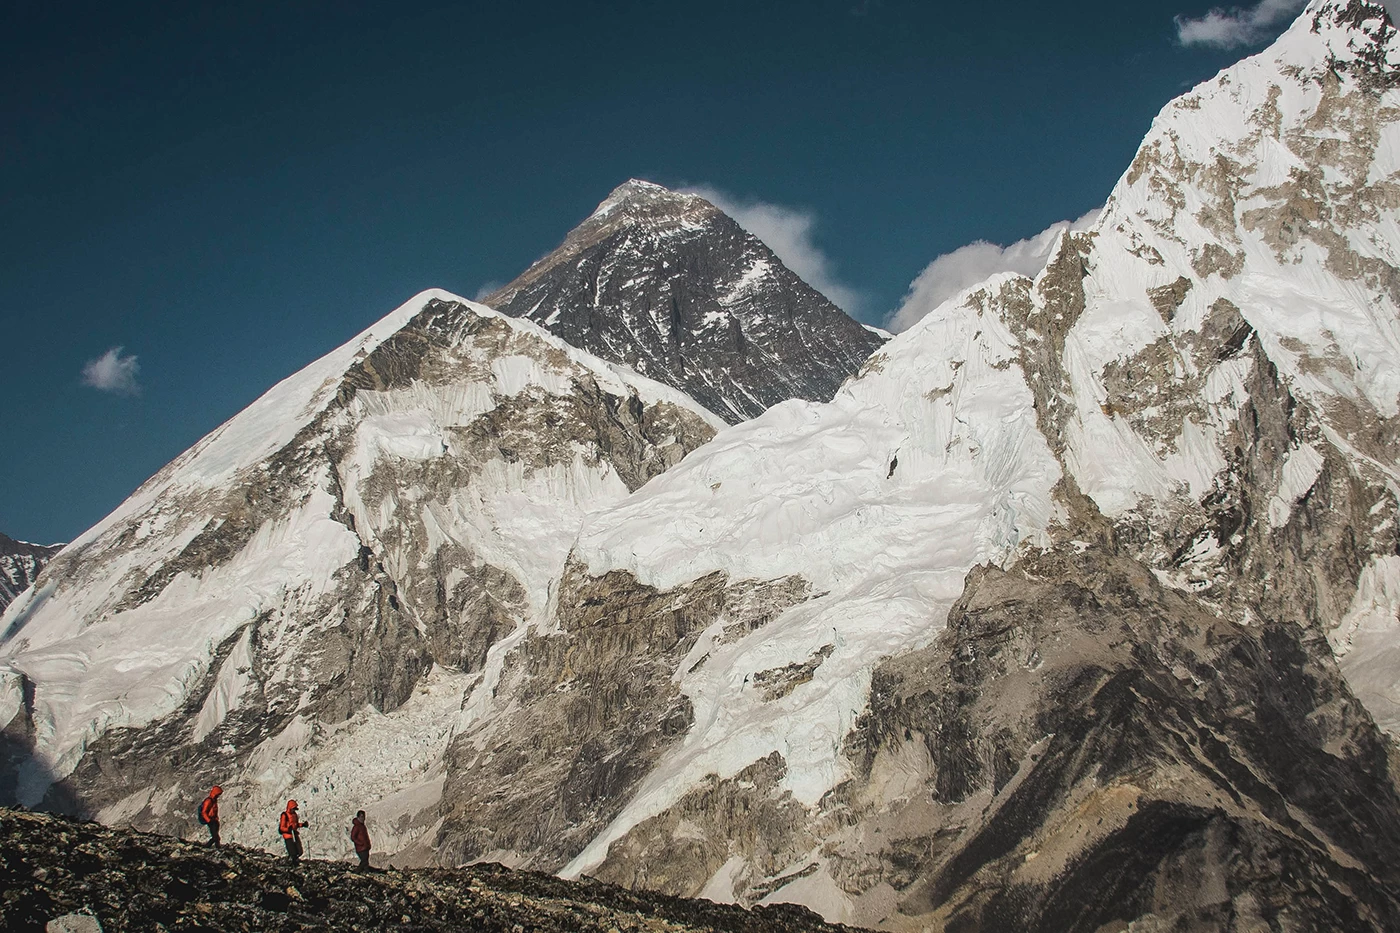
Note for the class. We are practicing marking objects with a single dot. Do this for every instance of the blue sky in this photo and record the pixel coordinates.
(227, 194)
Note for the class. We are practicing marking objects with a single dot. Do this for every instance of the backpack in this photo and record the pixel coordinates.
(202, 820)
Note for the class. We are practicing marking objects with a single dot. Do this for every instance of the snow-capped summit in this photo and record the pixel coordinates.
(635, 194)
(1029, 627)
(670, 285)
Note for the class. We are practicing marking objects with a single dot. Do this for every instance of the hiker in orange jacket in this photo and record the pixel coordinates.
(209, 813)
(360, 837)
(289, 825)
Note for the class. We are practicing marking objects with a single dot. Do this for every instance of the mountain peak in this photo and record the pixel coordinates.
(670, 285)
(636, 196)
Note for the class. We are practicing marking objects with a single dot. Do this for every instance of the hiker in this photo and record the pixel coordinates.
(289, 824)
(209, 813)
(360, 837)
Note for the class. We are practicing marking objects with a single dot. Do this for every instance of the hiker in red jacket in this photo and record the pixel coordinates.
(289, 824)
(209, 813)
(360, 837)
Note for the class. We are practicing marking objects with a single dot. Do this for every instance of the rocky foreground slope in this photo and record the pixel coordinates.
(51, 867)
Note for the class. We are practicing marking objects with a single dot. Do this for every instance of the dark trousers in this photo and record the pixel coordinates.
(364, 859)
(213, 832)
(293, 847)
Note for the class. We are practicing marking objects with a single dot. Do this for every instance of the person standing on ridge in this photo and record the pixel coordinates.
(209, 813)
(360, 837)
(290, 824)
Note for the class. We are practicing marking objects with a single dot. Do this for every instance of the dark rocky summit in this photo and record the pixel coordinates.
(51, 867)
(672, 286)
(20, 563)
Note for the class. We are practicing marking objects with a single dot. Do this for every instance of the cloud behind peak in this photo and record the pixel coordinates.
(788, 232)
(1237, 26)
(976, 262)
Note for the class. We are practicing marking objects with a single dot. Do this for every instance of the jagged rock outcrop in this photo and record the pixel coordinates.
(20, 563)
(670, 285)
(593, 707)
(1102, 749)
(128, 881)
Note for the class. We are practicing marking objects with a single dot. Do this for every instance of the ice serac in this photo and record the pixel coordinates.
(670, 285)
(1076, 608)
(303, 602)
(20, 563)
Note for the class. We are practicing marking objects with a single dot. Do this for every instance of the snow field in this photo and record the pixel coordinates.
(928, 464)
(137, 666)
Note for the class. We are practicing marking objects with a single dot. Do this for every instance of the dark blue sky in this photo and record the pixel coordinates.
(229, 194)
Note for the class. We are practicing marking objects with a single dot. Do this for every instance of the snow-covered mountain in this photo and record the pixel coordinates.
(20, 563)
(672, 286)
(314, 592)
(1077, 606)
(1034, 624)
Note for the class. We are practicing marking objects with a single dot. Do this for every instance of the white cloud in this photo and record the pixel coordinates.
(788, 232)
(112, 372)
(962, 268)
(487, 288)
(1237, 26)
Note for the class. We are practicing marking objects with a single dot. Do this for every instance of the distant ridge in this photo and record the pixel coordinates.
(20, 563)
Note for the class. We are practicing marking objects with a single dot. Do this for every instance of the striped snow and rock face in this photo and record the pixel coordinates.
(20, 563)
(1037, 623)
(671, 286)
(307, 600)
(1231, 387)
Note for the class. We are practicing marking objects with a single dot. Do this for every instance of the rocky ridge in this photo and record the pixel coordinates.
(129, 881)
(670, 285)
(20, 563)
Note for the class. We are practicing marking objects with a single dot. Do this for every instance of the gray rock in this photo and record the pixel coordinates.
(74, 923)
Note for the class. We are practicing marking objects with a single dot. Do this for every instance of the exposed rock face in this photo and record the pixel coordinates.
(673, 287)
(317, 588)
(1099, 748)
(592, 709)
(20, 563)
(128, 881)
